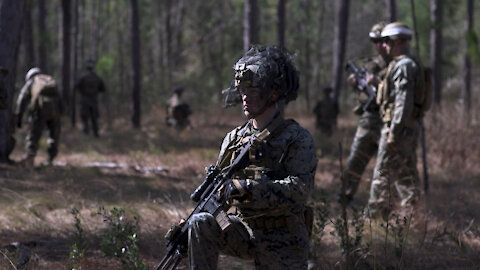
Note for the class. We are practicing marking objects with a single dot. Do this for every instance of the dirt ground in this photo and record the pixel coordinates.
(151, 172)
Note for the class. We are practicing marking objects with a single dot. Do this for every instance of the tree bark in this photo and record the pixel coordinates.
(306, 6)
(73, 105)
(467, 64)
(28, 39)
(436, 19)
(250, 24)
(43, 35)
(281, 23)
(11, 17)
(339, 42)
(136, 64)
(391, 10)
(65, 26)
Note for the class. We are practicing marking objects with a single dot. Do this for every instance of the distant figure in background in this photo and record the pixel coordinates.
(89, 86)
(326, 112)
(178, 110)
(40, 96)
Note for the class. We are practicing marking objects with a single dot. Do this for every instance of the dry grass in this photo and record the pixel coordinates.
(36, 204)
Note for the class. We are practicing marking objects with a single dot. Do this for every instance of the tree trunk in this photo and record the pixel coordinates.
(250, 24)
(306, 43)
(168, 44)
(65, 26)
(43, 36)
(436, 20)
(28, 39)
(339, 42)
(73, 104)
(11, 16)
(136, 64)
(467, 65)
(391, 10)
(281, 23)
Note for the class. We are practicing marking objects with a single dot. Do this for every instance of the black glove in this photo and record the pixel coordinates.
(236, 189)
(19, 121)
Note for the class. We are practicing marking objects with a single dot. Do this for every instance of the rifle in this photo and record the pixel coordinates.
(210, 201)
(362, 85)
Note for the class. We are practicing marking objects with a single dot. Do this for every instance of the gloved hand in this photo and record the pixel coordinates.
(236, 189)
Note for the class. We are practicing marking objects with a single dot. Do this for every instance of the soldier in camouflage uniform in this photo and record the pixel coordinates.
(178, 110)
(44, 109)
(89, 86)
(269, 195)
(397, 97)
(365, 142)
(326, 112)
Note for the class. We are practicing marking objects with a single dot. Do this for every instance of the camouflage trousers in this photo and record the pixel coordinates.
(395, 173)
(36, 126)
(269, 248)
(364, 147)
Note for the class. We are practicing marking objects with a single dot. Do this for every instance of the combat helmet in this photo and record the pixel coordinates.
(178, 90)
(90, 64)
(32, 72)
(397, 30)
(376, 31)
(268, 68)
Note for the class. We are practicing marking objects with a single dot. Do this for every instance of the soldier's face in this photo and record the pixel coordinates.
(378, 45)
(252, 101)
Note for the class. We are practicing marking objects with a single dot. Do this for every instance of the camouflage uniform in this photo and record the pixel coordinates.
(326, 112)
(269, 227)
(268, 219)
(89, 86)
(39, 117)
(396, 158)
(365, 142)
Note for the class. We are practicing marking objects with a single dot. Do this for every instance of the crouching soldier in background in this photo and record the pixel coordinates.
(178, 110)
(269, 195)
(41, 99)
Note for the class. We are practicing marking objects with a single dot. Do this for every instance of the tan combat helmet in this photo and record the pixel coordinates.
(376, 31)
(397, 30)
(32, 72)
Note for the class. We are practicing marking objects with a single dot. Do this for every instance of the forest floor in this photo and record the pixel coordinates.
(150, 173)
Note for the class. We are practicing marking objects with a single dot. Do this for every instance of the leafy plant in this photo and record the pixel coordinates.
(120, 238)
(77, 251)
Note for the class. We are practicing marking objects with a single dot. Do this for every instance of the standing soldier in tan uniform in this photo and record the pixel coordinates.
(178, 110)
(365, 142)
(270, 194)
(40, 96)
(401, 96)
(89, 86)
